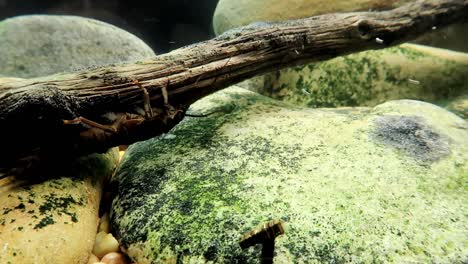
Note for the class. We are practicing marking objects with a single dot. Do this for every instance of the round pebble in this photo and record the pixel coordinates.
(114, 258)
(104, 224)
(105, 243)
(93, 259)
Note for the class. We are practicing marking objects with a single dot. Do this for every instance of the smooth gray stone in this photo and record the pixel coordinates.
(39, 45)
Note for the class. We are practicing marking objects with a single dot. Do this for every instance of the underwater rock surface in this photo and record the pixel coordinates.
(231, 14)
(37, 45)
(459, 106)
(53, 221)
(363, 79)
(383, 184)
(371, 77)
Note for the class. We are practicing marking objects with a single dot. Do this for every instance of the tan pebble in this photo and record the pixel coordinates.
(105, 243)
(104, 224)
(114, 258)
(93, 259)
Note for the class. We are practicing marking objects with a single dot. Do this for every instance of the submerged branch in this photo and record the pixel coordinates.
(32, 112)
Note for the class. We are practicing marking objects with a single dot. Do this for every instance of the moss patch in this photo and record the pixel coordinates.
(191, 194)
(370, 78)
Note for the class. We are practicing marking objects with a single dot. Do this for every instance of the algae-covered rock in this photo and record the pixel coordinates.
(53, 221)
(459, 106)
(368, 78)
(371, 77)
(38, 45)
(362, 185)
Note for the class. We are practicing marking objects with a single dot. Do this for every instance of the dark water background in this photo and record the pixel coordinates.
(163, 24)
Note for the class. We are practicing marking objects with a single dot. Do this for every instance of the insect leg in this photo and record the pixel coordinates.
(165, 95)
(146, 100)
(82, 120)
(170, 110)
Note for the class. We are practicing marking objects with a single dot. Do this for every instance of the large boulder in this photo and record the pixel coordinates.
(231, 14)
(55, 221)
(38, 45)
(363, 185)
(369, 78)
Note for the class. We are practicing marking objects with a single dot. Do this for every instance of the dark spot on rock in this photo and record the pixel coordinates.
(6, 210)
(411, 135)
(20, 206)
(74, 218)
(211, 252)
(186, 207)
(44, 222)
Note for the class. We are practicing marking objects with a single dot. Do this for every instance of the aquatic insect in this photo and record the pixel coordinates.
(267, 232)
(126, 128)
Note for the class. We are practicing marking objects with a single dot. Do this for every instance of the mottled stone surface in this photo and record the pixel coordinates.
(370, 78)
(38, 45)
(55, 220)
(363, 185)
(364, 79)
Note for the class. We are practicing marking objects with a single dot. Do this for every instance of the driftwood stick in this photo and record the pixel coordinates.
(40, 116)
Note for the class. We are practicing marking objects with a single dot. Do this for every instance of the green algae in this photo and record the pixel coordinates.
(48, 197)
(345, 196)
(370, 78)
